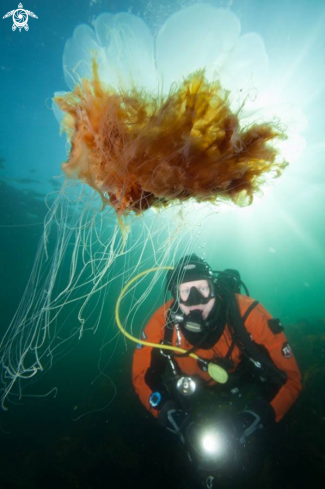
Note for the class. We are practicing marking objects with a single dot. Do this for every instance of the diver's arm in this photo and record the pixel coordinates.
(280, 352)
(148, 363)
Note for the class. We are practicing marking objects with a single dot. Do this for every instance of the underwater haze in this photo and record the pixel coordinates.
(78, 423)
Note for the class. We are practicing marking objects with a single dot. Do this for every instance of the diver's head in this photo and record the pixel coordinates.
(189, 269)
(192, 286)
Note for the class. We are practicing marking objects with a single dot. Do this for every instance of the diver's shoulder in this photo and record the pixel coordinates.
(244, 300)
(257, 310)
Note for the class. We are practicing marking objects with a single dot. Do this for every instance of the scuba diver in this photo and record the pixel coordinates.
(234, 380)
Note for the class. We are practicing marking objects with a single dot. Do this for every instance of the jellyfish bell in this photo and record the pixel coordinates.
(149, 134)
(148, 129)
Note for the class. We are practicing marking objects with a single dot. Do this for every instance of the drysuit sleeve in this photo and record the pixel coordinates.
(148, 363)
(260, 325)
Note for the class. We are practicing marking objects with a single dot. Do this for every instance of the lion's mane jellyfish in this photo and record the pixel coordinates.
(141, 145)
(151, 122)
(140, 151)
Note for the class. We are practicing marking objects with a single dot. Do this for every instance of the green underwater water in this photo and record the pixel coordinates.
(117, 443)
(91, 431)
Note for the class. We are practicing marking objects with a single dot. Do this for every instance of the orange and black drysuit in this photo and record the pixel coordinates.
(146, 370)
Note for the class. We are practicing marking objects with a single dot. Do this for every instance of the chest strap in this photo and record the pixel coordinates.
(249, 310)
(168, 330)
(233, 340)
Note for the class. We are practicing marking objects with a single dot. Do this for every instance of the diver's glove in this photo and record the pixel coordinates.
(172, 417)
(258, 415)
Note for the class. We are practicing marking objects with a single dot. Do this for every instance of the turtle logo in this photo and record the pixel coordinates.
(20, 18)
